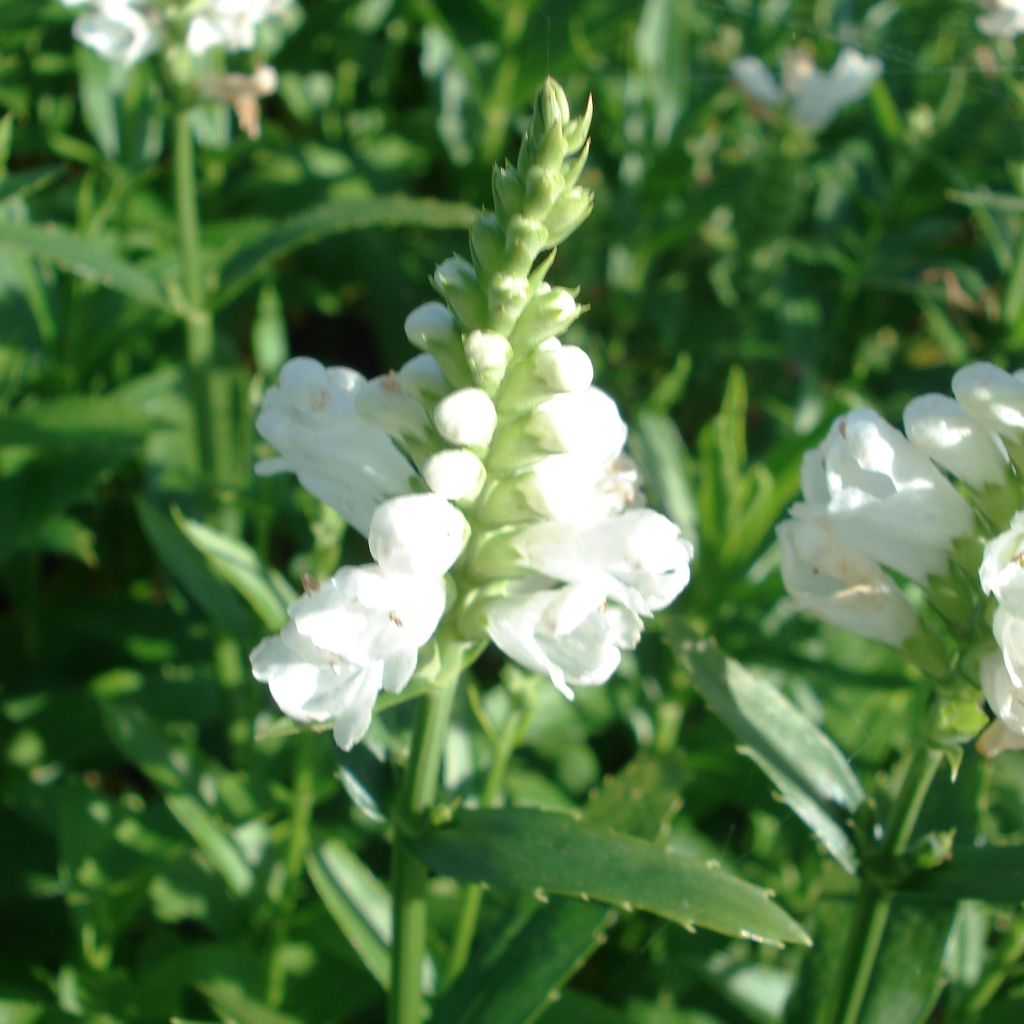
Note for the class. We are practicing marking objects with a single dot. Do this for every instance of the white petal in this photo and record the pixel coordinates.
(751, 74)
(993, 397)
(466, 418)
(418, 535)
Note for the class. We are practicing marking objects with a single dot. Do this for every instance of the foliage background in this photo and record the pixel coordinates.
(171, 851)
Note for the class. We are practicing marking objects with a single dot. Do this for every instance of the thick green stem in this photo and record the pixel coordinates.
(472, 895)
(875, 900)
(409, 876)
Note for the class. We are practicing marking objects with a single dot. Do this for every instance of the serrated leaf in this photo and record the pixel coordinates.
(287, 234)
(85, 258)
(554, 853)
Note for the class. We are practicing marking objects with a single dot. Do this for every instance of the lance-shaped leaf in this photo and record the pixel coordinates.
(519, 848)
(992, 873)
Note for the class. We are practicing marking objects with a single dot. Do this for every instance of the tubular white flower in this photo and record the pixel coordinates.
(1002, 567)
(564, 368)
(638, 558)
(230, 24)
(939, 426)
(568, 633)
(1004, 697)
(455, 473)
(570, 489)
(582, 423)
(993, 397)
(1003, 19)
(417, 535)
(120, 31)
(310, 418)
(839, 585)
(882, 496)
(1008, 630)
(466, 418)
(361, 631)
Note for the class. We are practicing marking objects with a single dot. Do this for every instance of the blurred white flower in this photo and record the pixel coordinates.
(943, 430)
(231, 25)
(838, 584)
(1008, 630)
(882, 496)
(570, 489)
(585, 424)
(1007, 703)
(310, 417)
(244, 93)
(121, 31)
(993, 397)
(569, 633)
(357, 633)
(1003, 19)
(813, 96)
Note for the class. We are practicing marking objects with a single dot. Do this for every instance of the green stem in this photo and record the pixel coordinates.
(409, 876)
(1005, 961)
(875, 899)
(472, 895)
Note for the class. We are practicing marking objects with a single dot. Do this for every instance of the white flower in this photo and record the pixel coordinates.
(1008, 630)
(360, 632)
(1007, 703)
(244, 93)
(1002, 567)
(230, 24)
(814, 96)
(418, 535)
(455, 473)
(466, 418)
(838, 584)
(585, 424)
(431, 322)
(310, 418)
(396, 402)
(939, 426)
(1004, 19)
(638, 559)
(993, 397)
(568, 633)
(121, 31)
(882, 496)
(563, 367)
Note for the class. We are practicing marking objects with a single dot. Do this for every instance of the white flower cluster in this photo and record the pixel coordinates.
(488, 475)
(875, 499)
(812, 97)
(1003, 19)
(127, 31)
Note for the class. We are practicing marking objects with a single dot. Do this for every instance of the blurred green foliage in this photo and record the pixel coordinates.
(171, 850)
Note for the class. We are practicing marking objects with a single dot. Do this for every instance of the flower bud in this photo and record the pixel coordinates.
(543, 187)
(563, 367)
(993, 397)
(466, 418)
(487, 244)
(548, 314)
(1001, 572)
(578, 128)
(584, 423)
(526, 238)
(506, 297)
(417, 534)
(507, 189)
(431, 323)
(569, 212)
(455, 473)
(422, 378)
(554, 106)
(488, 355)
(456, 280)
(940, 428)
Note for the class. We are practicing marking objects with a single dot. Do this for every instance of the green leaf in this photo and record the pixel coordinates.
(554, 853)
(78, 421)
(661, 451)
(85, 258)
(236, 1006)
(512, 979)
(803, 763)
(359, 903)
(992, 873)
(190, 570)
(286, 235)
(266, 591)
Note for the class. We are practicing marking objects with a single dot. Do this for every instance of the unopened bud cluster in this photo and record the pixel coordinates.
(488, 473)
(940, 506)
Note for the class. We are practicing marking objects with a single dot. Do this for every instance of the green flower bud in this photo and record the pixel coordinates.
(578, 129)
(543, 187)
(553, 105)
(488, 355)
(572, 172)
(571, 209)
(548, 313)
(526, 238)
(456, 280)
(506, 299)
(507, 189)
(487, 244)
